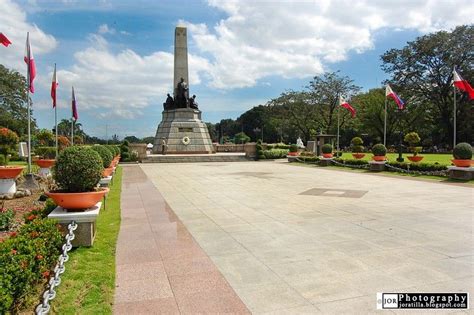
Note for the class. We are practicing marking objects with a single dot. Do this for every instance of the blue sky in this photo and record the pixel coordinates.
(118, 54)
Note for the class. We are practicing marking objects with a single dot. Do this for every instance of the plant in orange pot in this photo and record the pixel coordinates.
(106, 157)
(293, 150)
(327, 151)
(357, 148)
(412, 138)
(462, 153)
(379, 151)
(77, 172)
(47, 159)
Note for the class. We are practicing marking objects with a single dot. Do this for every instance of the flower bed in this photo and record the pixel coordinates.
(27, 257)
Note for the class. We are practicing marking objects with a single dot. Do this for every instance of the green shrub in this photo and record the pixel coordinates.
(351, 161)
(379, 150)
(357, 141)
(259, 150)
(3, 160)
(327, 148)
(281, 145)
(357, 149)
(412, 138)
(8, 141)
(46, 152)
(307, 153)
(111, 149)
(124, 152)
(275, 154)
(45, 137)
(309, 159)
(78, 169)
(125, 156)
(293, 148)
(104, 153)
(338, 153)
(241, 137)
(462, 151)
(6, 216)
(27, 257)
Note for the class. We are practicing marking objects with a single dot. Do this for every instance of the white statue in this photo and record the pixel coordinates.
(299, 143)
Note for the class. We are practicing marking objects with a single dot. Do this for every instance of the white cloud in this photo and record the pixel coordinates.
(122, 84)
(105, 29)
(298, 38)
(14, 24)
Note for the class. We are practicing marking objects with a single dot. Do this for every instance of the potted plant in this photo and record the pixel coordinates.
(293, 150)
(106, 157)
(462, 155)
(46, 159)
(327, 150)
(412, 138)
(77, 172)
(357, 148)
(379, 151)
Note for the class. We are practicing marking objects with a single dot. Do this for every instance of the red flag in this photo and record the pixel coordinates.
(74, 108)
(347, 106)
(30, 62)
(4, 40)
(463, 85)
(54, 86)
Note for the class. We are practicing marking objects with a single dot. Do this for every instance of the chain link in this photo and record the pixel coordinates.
(55, 280)
(350, 165)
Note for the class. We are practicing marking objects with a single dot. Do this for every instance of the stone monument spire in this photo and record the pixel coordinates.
(180, 56)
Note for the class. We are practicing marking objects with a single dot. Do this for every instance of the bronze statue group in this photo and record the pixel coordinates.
(182, 99)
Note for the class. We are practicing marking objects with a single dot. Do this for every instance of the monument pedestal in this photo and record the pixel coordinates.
(184, 132)
(461, 173)
(325, 161)
(377, 166)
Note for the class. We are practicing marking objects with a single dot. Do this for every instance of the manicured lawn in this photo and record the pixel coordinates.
(428, 157)
(88, 284)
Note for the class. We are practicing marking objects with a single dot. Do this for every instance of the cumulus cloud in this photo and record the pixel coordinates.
(298, 38)
(105, 29)
(14, 24)
(122, 84)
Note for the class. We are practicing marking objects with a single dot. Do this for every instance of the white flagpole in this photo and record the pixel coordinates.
(337, 142)
(454, 113)
(385, 124)
(28, 84)
(72, 131)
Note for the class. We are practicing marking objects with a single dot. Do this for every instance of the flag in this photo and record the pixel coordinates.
(4, 40)
(74, 108)
(30, 62)
(347, 106)
(389, 92)
(463, 85)
(54, 86)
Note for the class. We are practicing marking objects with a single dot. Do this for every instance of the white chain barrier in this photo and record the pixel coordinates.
(50, 293)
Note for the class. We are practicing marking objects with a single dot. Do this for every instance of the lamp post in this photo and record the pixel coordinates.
(400, 148)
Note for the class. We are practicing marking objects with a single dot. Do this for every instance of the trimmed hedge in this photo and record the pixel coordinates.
(351, 161)
(105, 154)
(275, 154)
(326, 148)
(78, 169)
(379, 150)
(422, 167)
(462, 151)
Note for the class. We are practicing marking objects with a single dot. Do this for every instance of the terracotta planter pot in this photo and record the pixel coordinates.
(327, 155)
(293, 153)
(8, 172)
(45, 163)
(358, 156)
(378, 158)
(462, 163)
(77, 201)
(107, 172)
(416, 158)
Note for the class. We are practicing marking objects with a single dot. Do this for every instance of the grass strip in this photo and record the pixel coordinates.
(88, 285)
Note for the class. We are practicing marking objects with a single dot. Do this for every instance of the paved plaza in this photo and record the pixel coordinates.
(295, 239)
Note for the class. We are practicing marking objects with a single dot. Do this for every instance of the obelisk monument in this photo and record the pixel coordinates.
(181, 128)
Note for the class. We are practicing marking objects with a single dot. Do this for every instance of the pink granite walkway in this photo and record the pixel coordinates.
(160, 267)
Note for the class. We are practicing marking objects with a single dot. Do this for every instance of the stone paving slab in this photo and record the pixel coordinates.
(161, 269)
(286, 252)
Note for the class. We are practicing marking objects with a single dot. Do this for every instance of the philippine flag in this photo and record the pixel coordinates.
(347, 106)
(30, 62)
(390, 93)
(463, 85)
(4, 40)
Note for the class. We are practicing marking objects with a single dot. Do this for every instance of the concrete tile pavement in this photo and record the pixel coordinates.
(321, 252)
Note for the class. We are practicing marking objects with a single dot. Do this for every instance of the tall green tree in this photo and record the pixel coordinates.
(422, 70)
(13, 108)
